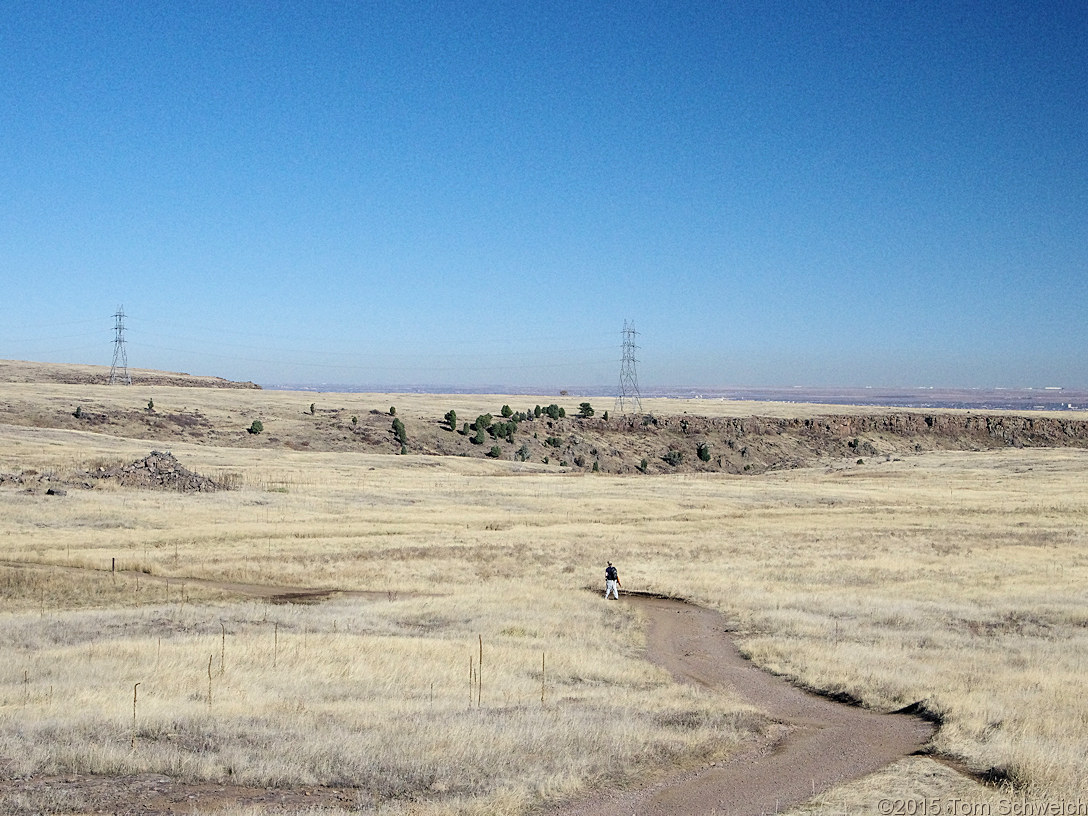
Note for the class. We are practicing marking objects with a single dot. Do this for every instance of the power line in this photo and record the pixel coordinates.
(629, 397)
(120, 356)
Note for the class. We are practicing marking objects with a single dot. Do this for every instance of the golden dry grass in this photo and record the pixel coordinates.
(954, 579)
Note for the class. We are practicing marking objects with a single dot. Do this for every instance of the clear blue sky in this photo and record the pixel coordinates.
(818, 193)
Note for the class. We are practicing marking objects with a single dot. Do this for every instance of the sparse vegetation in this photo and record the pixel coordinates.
(399, 432)
(481, 426)
(955, 578)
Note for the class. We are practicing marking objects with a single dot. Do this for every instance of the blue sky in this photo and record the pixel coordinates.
(389, 193)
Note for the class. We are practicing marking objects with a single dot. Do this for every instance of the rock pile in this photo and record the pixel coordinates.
(159, 471)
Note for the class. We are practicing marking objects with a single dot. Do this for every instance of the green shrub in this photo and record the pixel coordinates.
(495, 452)
(256, 427)
(703, 451)
(451, 419)
(606, 416)
(78, 413)
(313, 409)
(151, 404)
(585, 409)
(507, 411)
(399, 432)
(523, 453)
(673, 457)
(392, 410)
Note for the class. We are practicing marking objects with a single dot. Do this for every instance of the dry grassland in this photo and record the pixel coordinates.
(957, 579)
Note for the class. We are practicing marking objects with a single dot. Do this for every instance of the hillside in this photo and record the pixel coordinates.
(673, 436)
(19, 371)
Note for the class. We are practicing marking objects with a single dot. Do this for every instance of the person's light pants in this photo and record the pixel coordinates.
(613, 587)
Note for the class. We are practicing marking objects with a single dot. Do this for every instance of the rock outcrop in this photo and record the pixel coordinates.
(158, 471)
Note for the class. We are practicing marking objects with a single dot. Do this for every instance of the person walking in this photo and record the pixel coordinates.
(611, 582)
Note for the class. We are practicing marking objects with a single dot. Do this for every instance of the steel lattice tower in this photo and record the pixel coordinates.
(119, 369)
(629, 397)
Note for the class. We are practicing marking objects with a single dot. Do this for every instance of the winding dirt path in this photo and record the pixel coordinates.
(827, 743)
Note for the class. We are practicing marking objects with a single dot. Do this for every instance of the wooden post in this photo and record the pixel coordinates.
(134, 714)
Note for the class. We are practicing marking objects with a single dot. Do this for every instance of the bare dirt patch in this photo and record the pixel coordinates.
(825, 743)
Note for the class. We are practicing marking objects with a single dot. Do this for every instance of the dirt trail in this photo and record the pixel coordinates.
(827, 743)
(271, 593)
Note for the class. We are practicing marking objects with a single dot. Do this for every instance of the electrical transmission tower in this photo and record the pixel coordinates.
(119, 369)
(629, 397)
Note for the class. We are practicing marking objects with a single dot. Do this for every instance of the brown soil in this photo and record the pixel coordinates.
(825, 743)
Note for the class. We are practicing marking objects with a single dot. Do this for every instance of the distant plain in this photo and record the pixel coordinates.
(952, 579)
